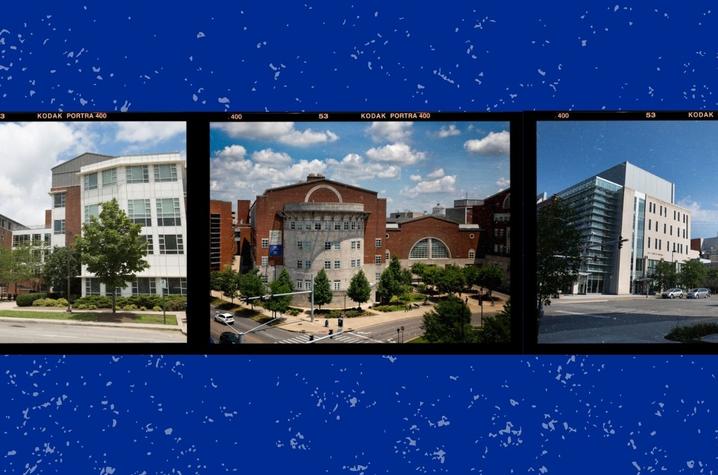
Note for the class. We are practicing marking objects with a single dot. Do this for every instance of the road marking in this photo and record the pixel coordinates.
(341, 338)
(587, 314)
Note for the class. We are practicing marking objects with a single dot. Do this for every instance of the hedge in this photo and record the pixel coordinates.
(26, 300)
(135, 302)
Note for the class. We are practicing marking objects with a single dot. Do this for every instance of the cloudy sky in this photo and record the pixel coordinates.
(28, 150)
(413, 164)
(682, 152)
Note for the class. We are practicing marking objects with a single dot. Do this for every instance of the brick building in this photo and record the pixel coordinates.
(221, 235)
(494, 219)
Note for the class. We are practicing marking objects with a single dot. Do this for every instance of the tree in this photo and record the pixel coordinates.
(490, 277)
(322, 290)
(665, 275)
(111, 248)
(692, 273)
(449, 322)
(711, 279)
(451, 279)
(496, 329)
(388, 287)
(471, 275)
(228, 282)
(281, 285)
(359, 289)
(19, 264)
(251, 285)
(61, 266)
(558, 250)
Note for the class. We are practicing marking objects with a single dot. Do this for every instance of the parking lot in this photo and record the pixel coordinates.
(627, 320)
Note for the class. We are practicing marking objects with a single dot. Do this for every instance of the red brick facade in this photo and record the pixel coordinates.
(460, 242)
(222, 248)
(493, 217)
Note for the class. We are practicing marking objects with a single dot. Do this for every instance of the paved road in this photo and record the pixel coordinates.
(622, 321)
(265, 335)
(41, 332)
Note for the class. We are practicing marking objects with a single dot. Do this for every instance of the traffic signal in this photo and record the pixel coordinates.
(620, 242)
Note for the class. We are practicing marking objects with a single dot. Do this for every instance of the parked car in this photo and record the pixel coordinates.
(226, 318)
(700, 293)
(673, 293)
(228, 338)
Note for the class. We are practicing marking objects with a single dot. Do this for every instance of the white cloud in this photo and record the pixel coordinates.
(390, 131)
(353, 167)
(438, 173)
(503, 183)
(496, 143)
(698, 213)
(449, 131)
(148, 132)
(272, 158)
(395, 153)
(236, 152)
(415, 177)
(27, 153)
(445, 184)
(283, 132)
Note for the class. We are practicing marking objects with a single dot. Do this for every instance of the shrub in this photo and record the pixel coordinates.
(99, 301)
(61, 302)
(156, 308)
(26, 300)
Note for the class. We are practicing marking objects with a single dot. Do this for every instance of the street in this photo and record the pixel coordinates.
(611, 320)
(24, 331)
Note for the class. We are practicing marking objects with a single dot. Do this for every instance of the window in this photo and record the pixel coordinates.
(59, 226)
(387, 256)
(144, 285)
(336, 245)
(292, 225)
(354, 245)
(327, 264)
(431, 248)
(346, 225)
(649, 242)
(472, 253)
(150, 243)
(664, 228)
(337, 264)
(92, 286)
(298, 285)
(168, 212)
(166, 172)
(265, 261)
(47, 239)
(337, 285)
(354, 225)
(264, 278)
(90, 211)
(318, 226)
(90, 181)
(377, 259)
(299, 264)
(177, 286)
(327, 245)
(671, 227)
(137, 174)
(109, 177)
(649, 224)
(139, 212)
(308, 285)
(308, 225)
(307, 265)
(337, 226)
(265, 243)
(353, 263)
(358, 244)
(36, 239)
(377, 276)
(299, 245)
(377, 243)
(59, 200)
(171, 244)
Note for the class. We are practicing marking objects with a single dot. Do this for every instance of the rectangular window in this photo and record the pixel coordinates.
(337, 226)
(90, 211)
(298, 285)
(265, 261)
(299, 245)
(354, 245)
(346, 225)
(47, 239)
(92, 286)
(292, 225)
(358, 244)
(377, 259)
(377, 243)
(150, 243)
(337, 285)
(137, 174)
(144, 285)
(168, 212)
(327, 264)
(472, 253)
(307, 265)
(59, 226)
(299, 264)
(671, 230)
(109, 177)
(59, 200)
(336, 245)
(265, 243)
(649, 242)
(90, 181)
(664, 228)
(327, 245)
(308, 225)
(171, 244)
(649, 224)
(377, 276)
(177, 286)
(318, 226)
(337, 264)
(166, 172)
(354, 225)
(308, 284)
(139, 212)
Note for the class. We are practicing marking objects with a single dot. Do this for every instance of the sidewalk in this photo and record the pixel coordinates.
(181, 318)
(595, 298)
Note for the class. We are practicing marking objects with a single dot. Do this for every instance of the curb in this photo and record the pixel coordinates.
(151, 326)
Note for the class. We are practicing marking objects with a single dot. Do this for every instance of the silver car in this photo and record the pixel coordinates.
(701, 293)
(673, 293)
(226, 318)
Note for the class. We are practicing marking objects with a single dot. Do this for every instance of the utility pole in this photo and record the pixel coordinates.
(311, 307)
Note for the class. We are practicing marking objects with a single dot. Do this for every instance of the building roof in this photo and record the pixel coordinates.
(318, 179)
(85, 158)
(427, 216)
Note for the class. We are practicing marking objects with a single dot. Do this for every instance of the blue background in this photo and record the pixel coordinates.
(357, 414)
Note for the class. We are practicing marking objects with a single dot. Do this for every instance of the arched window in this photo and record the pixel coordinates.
(429, 248)
(507, 202)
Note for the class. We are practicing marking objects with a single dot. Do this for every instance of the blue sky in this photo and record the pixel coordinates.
(683, 152)
(413, 164)
(28, 150)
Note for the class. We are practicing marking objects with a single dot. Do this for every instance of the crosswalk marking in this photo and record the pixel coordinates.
(352, 337)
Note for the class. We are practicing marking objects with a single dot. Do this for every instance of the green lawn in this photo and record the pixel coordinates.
(119, 317)
(419, 339)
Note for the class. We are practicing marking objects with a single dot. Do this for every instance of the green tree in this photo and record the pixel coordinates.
(62, 266)
(451, 279)
(471, 275)
(111, 248)
(449, 322)
(692, 273)
(496, 329)
(665, 275)
(711, 279)
(228, 282)
(359, 289)
(19, 264)
(252, 285)
(558, 250)
(491, 277)
(322, 290)
(388, 287)
(281, 285)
